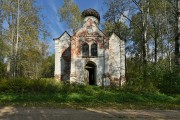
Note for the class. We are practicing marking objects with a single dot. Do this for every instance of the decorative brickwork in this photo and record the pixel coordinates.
(100, 62)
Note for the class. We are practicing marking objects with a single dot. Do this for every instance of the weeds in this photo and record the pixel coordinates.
(49, 92)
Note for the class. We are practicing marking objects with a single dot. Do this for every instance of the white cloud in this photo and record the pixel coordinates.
(55, 26)
(53, 6)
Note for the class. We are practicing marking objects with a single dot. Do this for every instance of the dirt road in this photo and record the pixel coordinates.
(20, 113)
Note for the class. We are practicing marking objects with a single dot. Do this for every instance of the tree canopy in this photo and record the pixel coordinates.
(70, 13)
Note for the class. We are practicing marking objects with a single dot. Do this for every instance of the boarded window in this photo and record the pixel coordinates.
(85, 49)
(94, 49)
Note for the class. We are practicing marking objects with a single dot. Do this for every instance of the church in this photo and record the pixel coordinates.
(89, 56)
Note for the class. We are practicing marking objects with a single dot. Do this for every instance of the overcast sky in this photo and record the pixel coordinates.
(51, 18)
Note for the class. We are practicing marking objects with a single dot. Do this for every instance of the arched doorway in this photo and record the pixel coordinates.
(90, 73)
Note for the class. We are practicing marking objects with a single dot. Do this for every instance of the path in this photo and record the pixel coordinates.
(20, 113)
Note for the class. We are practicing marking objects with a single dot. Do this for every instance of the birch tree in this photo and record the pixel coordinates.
(177, 31)
(2, 44)
(22, 35)
(175, 14)
(70, 13)
(117, 8)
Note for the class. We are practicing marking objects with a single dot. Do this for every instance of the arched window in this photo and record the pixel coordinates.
(94, 49)
(85, 49)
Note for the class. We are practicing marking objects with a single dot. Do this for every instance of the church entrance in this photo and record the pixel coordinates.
(90, 73)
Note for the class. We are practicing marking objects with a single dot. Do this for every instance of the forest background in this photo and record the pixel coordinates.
(151, 29)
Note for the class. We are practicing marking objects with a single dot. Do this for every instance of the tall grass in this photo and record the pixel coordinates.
(48, 91)
(23, 85)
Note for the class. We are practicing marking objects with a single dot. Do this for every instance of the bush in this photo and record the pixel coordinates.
(28, 85)
(138, 85)
(170, 82)
(2, 69)
(24, 85)
(164, 79)
(158, 78)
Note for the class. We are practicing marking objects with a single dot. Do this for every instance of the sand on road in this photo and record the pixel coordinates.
(32, 113)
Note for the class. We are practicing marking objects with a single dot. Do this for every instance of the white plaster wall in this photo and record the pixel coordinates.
(122, 63)
(61, 44)
(57, 60)
(116, 57)
(110, 60)
(106, 71)
(79, 69)
(78, 65)
(79, 62)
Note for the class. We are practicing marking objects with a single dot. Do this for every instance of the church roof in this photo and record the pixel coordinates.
(91, 12)
(65, 32)
(120, 37)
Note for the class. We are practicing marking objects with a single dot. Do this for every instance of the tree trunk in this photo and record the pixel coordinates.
(155, 47)
(144, 13)
(177, 36)
(17, 42)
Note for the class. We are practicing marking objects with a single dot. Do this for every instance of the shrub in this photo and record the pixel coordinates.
(28, 85)
(139, 86)
(170, 82)
(158, 78)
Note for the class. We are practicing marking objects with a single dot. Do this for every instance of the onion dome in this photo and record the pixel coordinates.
(91, 12)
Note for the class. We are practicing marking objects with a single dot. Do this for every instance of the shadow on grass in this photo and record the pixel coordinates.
(48, 92)
(104, 99)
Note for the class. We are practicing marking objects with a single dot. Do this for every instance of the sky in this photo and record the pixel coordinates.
(51, 19)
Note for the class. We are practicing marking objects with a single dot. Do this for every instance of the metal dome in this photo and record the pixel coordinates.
(91, 12)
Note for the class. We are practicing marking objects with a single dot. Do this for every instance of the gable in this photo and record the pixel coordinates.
(64, 36)
(114, 37)
(62, 42)
(90, 29)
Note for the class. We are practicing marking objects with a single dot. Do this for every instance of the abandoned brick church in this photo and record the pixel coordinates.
(89, 56)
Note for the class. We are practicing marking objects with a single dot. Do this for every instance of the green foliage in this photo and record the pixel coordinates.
(118, 27)
(2, 69)
(159, 78)
(169, 81)
(48, 67)
(51, 93)
(23, 55)
(136, 31)
(70, 13)
(150, 45)
(138, 85)
(23, 85)
(164, 79)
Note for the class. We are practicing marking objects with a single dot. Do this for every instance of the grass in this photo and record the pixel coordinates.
(47, 93)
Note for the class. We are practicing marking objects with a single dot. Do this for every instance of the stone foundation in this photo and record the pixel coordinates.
(57, 77)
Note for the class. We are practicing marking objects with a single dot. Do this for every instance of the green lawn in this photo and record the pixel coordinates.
(49, 94)
(97, 99)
